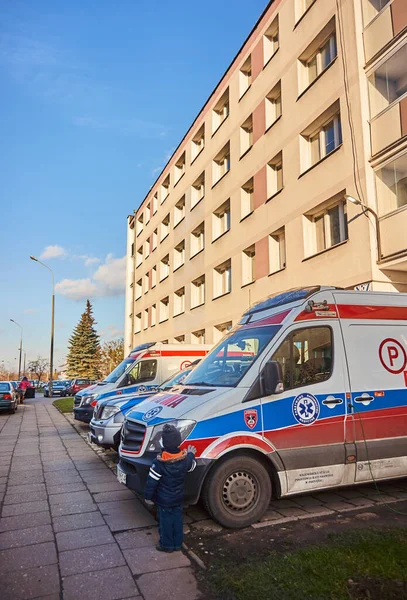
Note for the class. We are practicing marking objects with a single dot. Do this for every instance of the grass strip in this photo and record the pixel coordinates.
(64, 405)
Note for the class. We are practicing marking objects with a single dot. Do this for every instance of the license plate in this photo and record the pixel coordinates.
(121, 476)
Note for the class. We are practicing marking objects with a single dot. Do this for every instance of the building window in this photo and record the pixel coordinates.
(389, 82)
(145, 319)
(197, 239)
(275, 175)
(179, 255)
(155, 239)
(164, 341)
(153, 315)
(155, 203)
(273, 105)
(146, 283)
(198, 190)
(153, 277)
(198, 142)
(139, 289)
(164, 267)
(147, 248)
(179, 339)
(371, 8)
(219, 331)
(198, 337)
(137, 323)
(245, 76)
(221, 220)
(147, 213)
(139, 257)
(198, 291)
(220, 111)
(301, 7)
(391, 185)
(246, 135)
(325, 227)
(179, 211)
(164, 309)
(179, 301)
(277, 250)
(132, 250)
(221, 163)
(165, 188)
(247, 198)
(222, 279)
(179, 168)
(165, 227)
(139, 224)
(270, 41)
(248, 257)
(321, 137)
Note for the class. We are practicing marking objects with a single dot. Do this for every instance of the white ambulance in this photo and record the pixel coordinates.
(317, 398)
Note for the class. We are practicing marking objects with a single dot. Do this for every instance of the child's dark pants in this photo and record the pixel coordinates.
(170, 525)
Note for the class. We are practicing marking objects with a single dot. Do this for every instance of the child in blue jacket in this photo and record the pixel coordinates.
(165, 486)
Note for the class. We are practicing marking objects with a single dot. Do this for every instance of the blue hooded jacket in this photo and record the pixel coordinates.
(166, 478)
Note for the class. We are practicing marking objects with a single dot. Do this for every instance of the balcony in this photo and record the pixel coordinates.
(389, 126)
(384, 27)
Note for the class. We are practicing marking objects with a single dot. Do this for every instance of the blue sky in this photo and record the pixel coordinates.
(96, 94)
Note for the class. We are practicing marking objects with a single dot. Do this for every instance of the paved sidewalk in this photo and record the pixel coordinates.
(68, 529)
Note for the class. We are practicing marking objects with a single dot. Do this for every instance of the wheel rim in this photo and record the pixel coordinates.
(240, 492)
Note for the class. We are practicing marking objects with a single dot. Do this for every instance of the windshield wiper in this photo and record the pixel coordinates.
(202, 383)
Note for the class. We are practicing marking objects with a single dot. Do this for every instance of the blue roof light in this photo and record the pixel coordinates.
(281, 298)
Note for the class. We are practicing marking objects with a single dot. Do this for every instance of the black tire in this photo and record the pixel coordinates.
(237, 491)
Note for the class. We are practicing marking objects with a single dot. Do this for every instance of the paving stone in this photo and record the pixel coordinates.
(26, 557)
(30, 583)
(271, 515)
(292, 512)
(83, 538)
(90, 559)
(148, 560)
(284, 503)
(127, 514)
(77, 521)
(65, 488)
(96, 464)
(339, 506)
(137, 538)
(63, 465)
(12, 510)
(72, 508)
(207, 525)
(60, 477)
(98, 476)
(26, 537)
(317, 511)
(115, 495)
(111, 584)
(24, 478)
(360, 501)
(306, 501)
(169, 585)
(74, 497)
(109, 486)
(4, 471)
(12, 498)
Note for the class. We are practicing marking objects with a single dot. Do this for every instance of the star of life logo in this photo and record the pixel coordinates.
(306, 409)
(153, 412)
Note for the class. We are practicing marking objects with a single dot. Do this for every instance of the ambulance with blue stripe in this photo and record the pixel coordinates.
(308, 392)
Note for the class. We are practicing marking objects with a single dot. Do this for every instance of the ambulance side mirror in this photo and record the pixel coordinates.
(272, 379)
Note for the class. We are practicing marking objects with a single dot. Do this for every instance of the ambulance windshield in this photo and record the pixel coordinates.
(230, 360)
(119, 370)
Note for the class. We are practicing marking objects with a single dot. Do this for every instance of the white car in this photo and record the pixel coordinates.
(8, 397)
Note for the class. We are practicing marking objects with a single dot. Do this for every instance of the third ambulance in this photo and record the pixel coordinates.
(316, 398)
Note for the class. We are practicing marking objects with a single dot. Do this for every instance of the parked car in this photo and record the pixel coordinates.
(79, 384)
(59, 388)
(108, 416)
(8, 396)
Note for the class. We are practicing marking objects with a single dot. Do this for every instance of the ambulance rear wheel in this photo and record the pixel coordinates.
(237, 491)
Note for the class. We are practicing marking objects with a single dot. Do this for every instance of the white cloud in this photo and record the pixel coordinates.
(108, 280)
(53, 252)
(111, 332)
(30, 311)
(90, 260)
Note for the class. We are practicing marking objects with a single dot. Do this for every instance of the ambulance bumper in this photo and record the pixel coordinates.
(135, 473)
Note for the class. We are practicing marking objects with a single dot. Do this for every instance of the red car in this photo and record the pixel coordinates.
(78, 384)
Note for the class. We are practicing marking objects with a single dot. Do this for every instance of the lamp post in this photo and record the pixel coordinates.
(376, 218)
(51, 358)
(21, 345)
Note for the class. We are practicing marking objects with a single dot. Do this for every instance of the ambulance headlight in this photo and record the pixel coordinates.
(109, 411)
(89, 399)
(184, 426)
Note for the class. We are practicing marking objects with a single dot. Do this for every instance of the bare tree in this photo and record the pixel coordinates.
(111, 355)
(39, 367)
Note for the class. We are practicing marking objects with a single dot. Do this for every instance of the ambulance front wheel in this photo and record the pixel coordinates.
(237, 491)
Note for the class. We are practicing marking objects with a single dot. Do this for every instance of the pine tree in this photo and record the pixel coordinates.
(83, 358)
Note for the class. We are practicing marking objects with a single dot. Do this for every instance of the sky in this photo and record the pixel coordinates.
(95, 97)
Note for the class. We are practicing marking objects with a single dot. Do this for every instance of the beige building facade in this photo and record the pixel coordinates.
(252, 202)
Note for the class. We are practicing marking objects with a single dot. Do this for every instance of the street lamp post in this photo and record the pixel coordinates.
(51, 358)
(21, 345)
(376, 218)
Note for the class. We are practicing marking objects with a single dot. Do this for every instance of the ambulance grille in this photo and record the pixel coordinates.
(97, 413)
(132, 436)
(195, 391)
(77, 401)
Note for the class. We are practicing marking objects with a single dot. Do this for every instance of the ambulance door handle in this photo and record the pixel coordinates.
(331, 401)
(364, 399)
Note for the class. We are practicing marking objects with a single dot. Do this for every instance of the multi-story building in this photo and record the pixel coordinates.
(252, 202)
